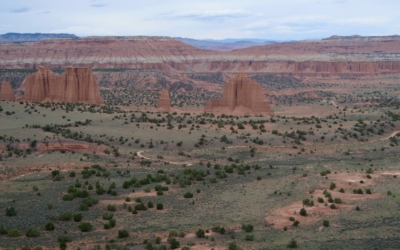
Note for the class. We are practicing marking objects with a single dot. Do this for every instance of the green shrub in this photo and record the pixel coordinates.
(10, 211)
(296, 223)
(123, 233)
(200, 233)
(233, 246)
(247, 228)
(111, 208)
(14, 233)
(33, 232)
(332, 186)
(303, 212)
(150, 204)
(333, 206)
(320, 200)
(68, 197)
(188, 195)
(85, 226)
(77, 217)
(65, 216)
(3, 231)
(218, 229)
(140, 207)
(49, 226)
(173, 243)
(325, 223)
(292, 244)
(107, 216)
(160, 206)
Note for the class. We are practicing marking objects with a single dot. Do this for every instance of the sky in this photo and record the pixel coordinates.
(203, 19)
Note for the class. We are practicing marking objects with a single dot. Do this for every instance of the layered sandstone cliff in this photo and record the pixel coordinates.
(331, 57)
(241, 96)
(164, 103)
(6, 92)
(75, 85)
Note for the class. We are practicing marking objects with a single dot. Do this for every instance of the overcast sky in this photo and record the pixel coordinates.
(216, 19)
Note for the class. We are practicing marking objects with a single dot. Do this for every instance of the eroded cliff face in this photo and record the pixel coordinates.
(241, 96)
(330, 57)
(164, 103)
(75, 85)
(6, 92)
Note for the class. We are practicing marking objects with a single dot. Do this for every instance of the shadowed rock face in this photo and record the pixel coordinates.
(75, 85)
(241, 96)
(164, 103)
(6, 92)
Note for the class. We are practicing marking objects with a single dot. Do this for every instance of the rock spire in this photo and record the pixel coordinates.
(164, 103)
(241, 96)
(6, 92)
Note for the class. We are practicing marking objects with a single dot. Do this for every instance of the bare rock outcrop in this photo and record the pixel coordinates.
(6, 92)
(75, 85)
(241, 96)
(164, 103)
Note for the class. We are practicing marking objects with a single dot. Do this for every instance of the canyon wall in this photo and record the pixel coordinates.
(75, 85)
(335, 56)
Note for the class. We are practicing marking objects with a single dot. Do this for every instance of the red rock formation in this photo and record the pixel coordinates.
(241, 96)
(75, 85)
(6, 92)
(164, 103)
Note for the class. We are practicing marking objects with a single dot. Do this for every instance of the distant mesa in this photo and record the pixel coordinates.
(6, 92)
(164, 103)
(76, 85)
(32, 37)
(241, 96)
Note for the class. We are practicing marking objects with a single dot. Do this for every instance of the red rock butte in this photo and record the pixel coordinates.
(164, 103)
(6, 92)
(241, 96)
(76, 85)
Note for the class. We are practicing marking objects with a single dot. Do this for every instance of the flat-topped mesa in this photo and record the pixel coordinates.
(75, 85)
(6, 92)
(164, 103)
(241, 96)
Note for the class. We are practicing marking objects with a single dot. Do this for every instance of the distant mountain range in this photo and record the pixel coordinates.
(225, 44)
(32, 37)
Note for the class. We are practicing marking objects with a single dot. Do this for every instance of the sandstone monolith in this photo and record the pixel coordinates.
(6, 92)
(75, 85)
(164, 103)
(241, 96)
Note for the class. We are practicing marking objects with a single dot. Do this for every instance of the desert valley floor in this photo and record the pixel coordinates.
(322, 173)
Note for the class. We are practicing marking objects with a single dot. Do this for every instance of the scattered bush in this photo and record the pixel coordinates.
(160, 206)
(188, 195)
(33, 232)
(325, 223)
(85, 226)
(49, 226)
(123, 234)
(200, 233)
(65, 216)
(303, 212)
(247, 228)
(77, 217)
(10, 211)
(14, 233)
(292, 244)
